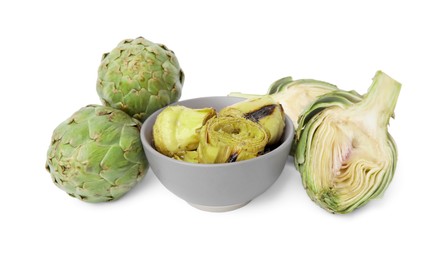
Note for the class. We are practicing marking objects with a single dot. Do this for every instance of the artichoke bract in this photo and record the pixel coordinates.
(294, 95)
(177, 128)
(139, 77)
(344, 151)
(96, 155)
(231, 139)
(264, 111)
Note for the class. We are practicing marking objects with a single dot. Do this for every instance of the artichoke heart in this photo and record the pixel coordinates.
(264, 111)
(344, 152)
(188, 156)
(177, 128)
(231, 139)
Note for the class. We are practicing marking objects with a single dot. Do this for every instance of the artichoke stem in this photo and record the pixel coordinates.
(381, 98)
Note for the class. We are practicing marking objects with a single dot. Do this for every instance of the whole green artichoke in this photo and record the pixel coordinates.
(139, 77)
(96, 155)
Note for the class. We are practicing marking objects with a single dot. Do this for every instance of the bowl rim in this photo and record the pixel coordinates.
(146, 144)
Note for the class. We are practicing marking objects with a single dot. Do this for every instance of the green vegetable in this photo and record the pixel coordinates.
(344, 152)
(264, 111)
(139, 77)
(294, 95)
(96, 154)
(177, 128)
(231, 139)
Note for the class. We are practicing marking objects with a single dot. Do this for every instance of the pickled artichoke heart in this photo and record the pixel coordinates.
(96, 154)
(343, 149)
(294, 95)
(177, 128)
(188, 156)
(262, 110)
(139, 77)
(231, 139)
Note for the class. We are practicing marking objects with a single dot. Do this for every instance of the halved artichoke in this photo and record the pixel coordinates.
(344, 152)
(231, 139)
(177, 128)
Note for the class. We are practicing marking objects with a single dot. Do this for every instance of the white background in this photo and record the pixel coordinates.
(50, 52)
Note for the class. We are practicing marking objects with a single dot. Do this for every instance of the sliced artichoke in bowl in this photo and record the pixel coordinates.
(262, 110)
(188, 156)
(343, 149)
(231, 139)
(176, 129)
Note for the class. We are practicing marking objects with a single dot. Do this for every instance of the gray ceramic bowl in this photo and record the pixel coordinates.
(216, 187)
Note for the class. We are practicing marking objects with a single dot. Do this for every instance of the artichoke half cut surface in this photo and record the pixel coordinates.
(344, 152)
